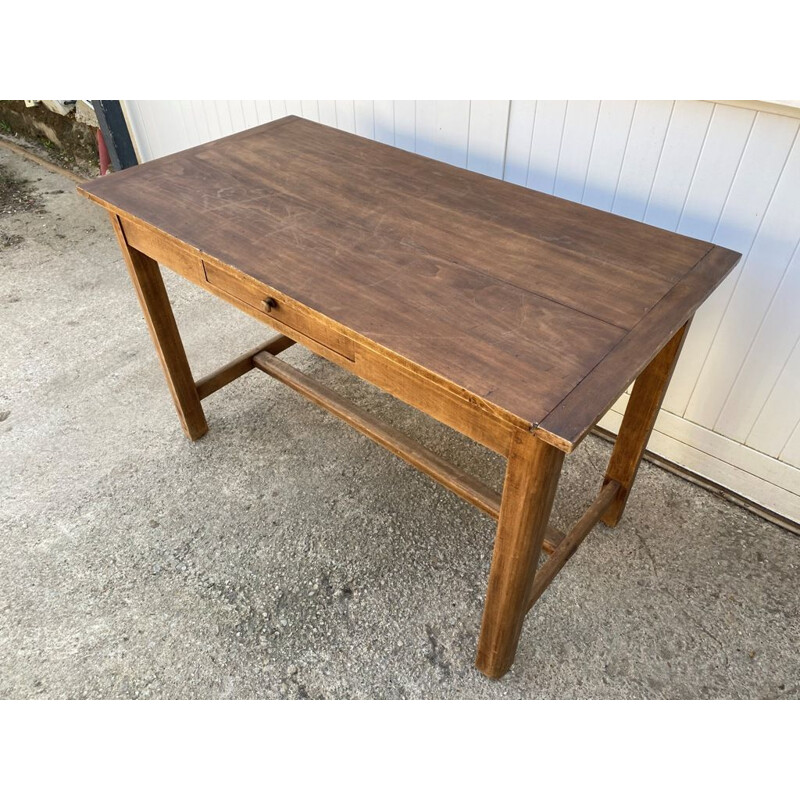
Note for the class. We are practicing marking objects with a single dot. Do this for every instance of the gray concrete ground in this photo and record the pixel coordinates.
(284, 555)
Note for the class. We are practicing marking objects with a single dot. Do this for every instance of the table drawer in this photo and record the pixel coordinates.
(280, 308)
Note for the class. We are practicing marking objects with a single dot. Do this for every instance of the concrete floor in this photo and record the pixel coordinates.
(284, 555)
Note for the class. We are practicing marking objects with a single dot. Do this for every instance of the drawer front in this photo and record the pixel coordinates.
(276, 306)
(167, 251)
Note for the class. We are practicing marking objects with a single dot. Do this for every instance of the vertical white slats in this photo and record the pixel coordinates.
(642, 153)
(364, 113)
(159, 135)
(228, 120)
(193, 111)
(137, 128)
(713, 172)
(217, 123)
(791, 453)
(425, 128)
(676, 167)
(220, 119)
(294, 107)
(711, 183)
(250, 113)
(405, 124)
(383, 116)
(277, 108)
(237, 116)
(327, 112)
(521, 117)
(263, 111)
(776, 430)
(546, 144)
(345, 116)
(191, 132)
(152, 140)
(746, 210)
(488, 132)
(614, 120)
(766, 378)
(452, 131)
(211, 112)
(720, 157)
(577, 140)
(442, 130)
(740, 381)
(310, 109)
(170, 137)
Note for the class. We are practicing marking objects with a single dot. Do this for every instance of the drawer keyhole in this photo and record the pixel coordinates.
(269, 304)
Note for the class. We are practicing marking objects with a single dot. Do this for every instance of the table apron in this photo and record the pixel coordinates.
(463, 414)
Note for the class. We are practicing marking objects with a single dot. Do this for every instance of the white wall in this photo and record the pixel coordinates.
(726, 174)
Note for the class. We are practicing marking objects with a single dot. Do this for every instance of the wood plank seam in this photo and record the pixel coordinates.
(521, 192)
(548, 426)
(620, 344)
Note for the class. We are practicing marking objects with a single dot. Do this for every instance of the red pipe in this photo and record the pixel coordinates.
(102, 150)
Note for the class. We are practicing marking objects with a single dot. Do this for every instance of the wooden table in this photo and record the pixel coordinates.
(514, 317)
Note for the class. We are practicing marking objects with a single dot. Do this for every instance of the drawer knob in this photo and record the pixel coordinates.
(270, 303)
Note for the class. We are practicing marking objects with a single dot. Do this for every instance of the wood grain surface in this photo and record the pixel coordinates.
(537, 309)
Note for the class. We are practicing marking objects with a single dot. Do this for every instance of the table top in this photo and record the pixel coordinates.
(541, 307)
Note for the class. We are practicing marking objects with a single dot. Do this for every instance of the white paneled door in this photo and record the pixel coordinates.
(726, 174)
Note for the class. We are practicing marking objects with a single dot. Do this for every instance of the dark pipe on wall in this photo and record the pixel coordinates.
(115, 133)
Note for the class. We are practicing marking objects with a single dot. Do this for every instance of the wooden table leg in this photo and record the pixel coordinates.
(153, 298)
(637, 424)
(530, 485)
